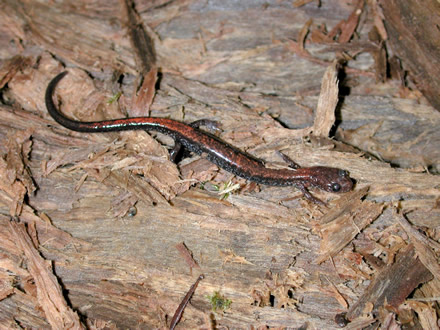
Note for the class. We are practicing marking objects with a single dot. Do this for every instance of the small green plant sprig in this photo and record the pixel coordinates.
(219, 302)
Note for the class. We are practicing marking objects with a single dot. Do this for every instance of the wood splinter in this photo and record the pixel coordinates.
(185, 300)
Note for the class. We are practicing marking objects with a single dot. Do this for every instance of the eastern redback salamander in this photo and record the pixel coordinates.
(223, 155)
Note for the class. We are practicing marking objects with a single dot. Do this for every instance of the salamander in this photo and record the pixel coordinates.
(218, 152)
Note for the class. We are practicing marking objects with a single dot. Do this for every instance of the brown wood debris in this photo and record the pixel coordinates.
(103, 217)
(145, 57)
(345, 29)
(49, 291)
(423, 246)
(344, 222)
(179, 311)
(187, 255)
(393, 285)
(411, 36)
(15, 177)
(328, 99)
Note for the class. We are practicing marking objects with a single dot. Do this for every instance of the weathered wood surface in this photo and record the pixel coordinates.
(232, 62)
(414, 36)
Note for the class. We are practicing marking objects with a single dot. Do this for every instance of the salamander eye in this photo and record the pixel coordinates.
(335, 187)
(343, 173)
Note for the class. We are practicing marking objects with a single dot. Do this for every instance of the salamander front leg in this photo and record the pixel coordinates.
(309, 196)
(212, 125)
(176, 151)
(289, 161)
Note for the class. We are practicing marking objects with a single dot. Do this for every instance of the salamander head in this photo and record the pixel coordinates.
(330, 179)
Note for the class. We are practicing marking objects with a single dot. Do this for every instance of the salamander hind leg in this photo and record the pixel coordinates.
(212, 125)
(177, 152)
